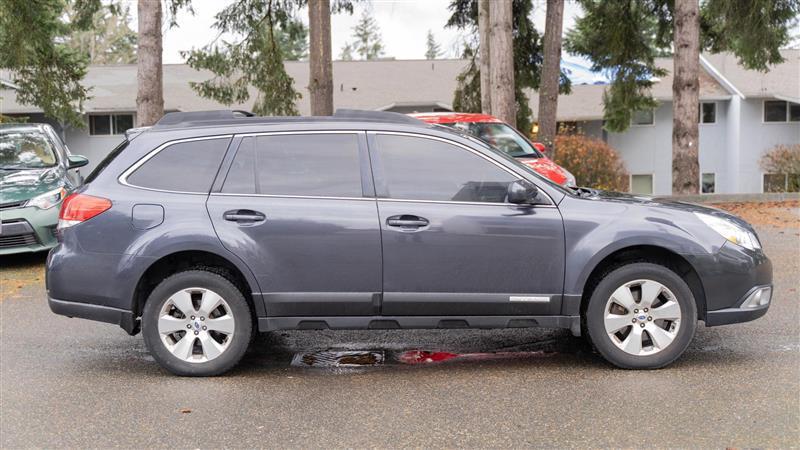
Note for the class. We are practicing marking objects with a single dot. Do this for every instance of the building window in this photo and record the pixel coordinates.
(108, 124)
(643, 117)
(707, 113)
(708, 183)
(642, 184)
(794, 112)
(782, 182)
(781, 111)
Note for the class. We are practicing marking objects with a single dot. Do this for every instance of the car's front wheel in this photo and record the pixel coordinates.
(641, 316)
(197, 323)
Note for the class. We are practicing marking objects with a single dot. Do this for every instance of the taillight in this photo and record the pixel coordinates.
(78, 208)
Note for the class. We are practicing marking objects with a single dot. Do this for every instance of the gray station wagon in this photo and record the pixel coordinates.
(210, 226)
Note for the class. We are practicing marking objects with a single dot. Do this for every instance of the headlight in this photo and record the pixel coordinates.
(48, 199)
(730, 231)
(570, 178)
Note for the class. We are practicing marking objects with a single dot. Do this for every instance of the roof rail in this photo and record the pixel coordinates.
(376, 116)
(229, 117)
(176, 118)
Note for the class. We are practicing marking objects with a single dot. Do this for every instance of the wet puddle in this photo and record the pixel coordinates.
(333, 358)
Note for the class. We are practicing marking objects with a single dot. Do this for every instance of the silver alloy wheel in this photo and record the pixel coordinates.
(196, 325)
(642, 317)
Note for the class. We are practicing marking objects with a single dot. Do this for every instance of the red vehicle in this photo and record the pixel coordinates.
(503, 136)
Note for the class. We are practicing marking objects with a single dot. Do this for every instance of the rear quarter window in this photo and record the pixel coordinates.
(182, 167)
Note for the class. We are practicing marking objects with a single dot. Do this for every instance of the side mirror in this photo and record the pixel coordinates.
(76, 161)
(522, 192)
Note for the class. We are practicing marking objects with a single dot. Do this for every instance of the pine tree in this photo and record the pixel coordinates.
(346, 53)
(293, 40)
(624, 38)
(527, 59)
(46, 71)
(255, 60)
(367, 37)
(551, 70)
(110, 40)
(433, 49)
(149, 74)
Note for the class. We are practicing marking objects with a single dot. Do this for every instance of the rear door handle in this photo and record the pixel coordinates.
(243, 216)
(407, 221)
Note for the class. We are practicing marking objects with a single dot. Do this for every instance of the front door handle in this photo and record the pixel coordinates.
(407, 221)
(243, 216)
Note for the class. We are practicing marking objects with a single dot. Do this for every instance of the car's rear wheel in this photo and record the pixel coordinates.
(641, 316)
(197, 323)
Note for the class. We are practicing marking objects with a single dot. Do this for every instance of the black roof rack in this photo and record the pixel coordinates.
(375, 116)
(229, 117)
(175, 118)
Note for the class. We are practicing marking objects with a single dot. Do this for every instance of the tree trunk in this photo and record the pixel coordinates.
(484, 33)
(685, 98)
(551, 72)
(501, 62)
(150, 91)
(320, 82)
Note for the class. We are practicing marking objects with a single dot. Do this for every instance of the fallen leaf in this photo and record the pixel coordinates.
(185, 410)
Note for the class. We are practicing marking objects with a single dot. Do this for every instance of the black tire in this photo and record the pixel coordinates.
(596, 311)
(239, 309)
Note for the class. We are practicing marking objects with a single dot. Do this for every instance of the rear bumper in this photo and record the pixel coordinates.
(98, 313)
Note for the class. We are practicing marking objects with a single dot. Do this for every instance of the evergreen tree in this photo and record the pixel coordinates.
(256, 60)
(433, 49)
(527, 59)
(367, 42)
(625, 37)
(293, 40)
(46, 70)
(346, 54)
(110, 40)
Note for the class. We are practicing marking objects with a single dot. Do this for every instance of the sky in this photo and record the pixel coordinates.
(404, 25)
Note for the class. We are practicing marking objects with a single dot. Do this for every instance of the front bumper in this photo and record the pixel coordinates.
(742, 312)
(28, 230)
(729, 278)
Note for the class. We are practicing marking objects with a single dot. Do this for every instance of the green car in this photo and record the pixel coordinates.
(36, 174)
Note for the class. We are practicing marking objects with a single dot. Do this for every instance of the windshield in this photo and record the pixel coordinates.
(500, 136)
(27, 149)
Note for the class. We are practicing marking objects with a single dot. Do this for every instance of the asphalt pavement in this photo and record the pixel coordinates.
(75, 383)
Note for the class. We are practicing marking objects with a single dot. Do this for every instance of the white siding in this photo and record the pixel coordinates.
(647, 149)
(93, 147)
(756, 138)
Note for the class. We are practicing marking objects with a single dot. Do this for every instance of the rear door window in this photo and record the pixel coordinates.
(314, 165)
(182, 167)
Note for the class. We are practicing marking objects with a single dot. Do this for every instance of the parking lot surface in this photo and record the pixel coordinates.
(74, 383)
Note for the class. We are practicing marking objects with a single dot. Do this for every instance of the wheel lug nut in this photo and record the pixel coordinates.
(202, 318)
(635, 310)
(645, 310)
(189, 326)
(634, 320)
(650, 318)
(204, 327)
(197, 332)
(641, 325)
(192, 317)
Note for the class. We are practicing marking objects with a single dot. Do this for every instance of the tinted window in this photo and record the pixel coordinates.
(99, 125)
(106, 161)
(185, 166)
(774, 111)
(794, 112)
(321, 165)
(426, 169)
